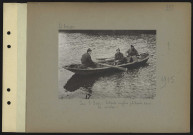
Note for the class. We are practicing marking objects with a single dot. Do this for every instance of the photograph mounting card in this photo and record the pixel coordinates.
(97, 67)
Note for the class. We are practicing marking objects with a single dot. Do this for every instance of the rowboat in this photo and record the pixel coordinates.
(80, 70)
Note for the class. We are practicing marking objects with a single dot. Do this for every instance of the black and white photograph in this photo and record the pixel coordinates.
(100, 64)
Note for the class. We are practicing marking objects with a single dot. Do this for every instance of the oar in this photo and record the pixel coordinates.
(104, 58)
(120, 68)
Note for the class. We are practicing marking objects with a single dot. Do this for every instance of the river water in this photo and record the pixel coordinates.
(137, 83)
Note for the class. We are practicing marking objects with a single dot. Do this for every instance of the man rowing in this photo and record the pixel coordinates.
(119, 58)
(86, 59)
(132, 54)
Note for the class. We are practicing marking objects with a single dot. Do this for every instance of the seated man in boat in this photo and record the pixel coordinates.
(132, 54)
(86, 59)
(119, 58)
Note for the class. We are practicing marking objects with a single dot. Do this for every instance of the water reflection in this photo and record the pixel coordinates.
(78, 81)
(87, 82)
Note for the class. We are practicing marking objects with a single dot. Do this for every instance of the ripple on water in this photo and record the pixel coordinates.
(137, 83)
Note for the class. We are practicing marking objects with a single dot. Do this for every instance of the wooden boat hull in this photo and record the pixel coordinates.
(89, 71)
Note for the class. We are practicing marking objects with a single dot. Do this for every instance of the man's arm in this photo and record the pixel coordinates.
(128, 52)
(122, 56)
(89, 59)
(136, 52)
(116, 57)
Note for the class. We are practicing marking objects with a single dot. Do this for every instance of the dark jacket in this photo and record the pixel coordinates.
(86, 60)
(119, 56)
(132, 52)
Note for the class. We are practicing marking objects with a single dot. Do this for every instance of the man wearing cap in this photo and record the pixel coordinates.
(119, 58)
(132, 54)
(86, 59)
